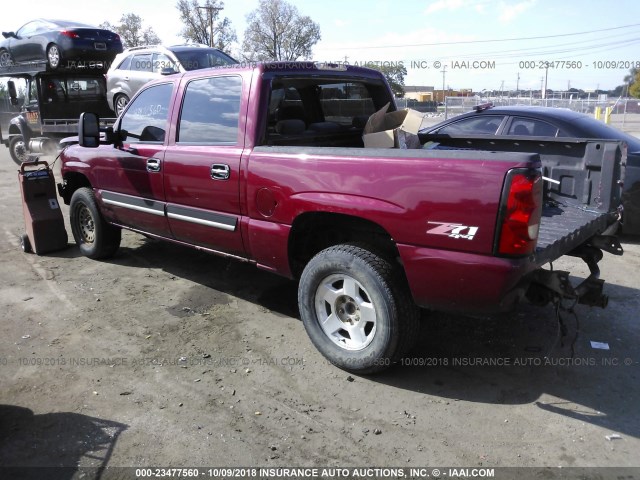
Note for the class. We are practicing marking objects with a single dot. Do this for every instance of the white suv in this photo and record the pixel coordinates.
(136, 66)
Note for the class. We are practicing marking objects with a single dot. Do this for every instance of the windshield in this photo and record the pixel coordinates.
(195, 59)
(64, 89)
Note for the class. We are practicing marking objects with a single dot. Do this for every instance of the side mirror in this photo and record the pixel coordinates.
(9, 34)
(89, 130)
(167, 71)
(13, 94)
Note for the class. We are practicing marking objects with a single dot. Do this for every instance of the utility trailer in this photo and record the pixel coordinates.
(38, 108)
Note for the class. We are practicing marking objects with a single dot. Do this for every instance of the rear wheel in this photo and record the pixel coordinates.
(120, 101)
(25, 243)
(356, 309)
(18, 149)
(5, 58)
(94, 236)
(53, 56)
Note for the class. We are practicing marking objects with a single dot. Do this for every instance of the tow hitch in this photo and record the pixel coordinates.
(550, 285)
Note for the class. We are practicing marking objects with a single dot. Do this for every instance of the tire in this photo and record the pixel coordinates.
(5, 58)
(356, 309)
(94, 236)
(25, 243)
(119, 102)
(18, 149)
(54, 57)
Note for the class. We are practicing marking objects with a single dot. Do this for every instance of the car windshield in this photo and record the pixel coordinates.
(596, 129)
(203, 58)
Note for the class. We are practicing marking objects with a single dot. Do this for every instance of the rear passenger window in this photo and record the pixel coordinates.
(146, 116)
(210, 111)
(141, 63)
(521, 126)
(477, 125)
(125, 64)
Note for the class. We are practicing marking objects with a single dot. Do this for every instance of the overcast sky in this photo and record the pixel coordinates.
(597, 41)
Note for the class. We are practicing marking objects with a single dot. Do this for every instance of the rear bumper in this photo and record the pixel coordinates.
(464, 282)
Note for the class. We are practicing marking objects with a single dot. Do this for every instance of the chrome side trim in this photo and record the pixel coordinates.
(133, 203)
(201, 221)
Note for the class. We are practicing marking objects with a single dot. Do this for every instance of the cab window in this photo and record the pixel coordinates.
(145, 119)
(210, 111)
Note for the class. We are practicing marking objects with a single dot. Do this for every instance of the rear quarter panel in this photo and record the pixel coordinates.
(407, 192)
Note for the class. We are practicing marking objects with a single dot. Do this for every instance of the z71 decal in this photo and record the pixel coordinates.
(453, 230)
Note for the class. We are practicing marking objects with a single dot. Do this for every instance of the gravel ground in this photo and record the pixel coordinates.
(165, 356)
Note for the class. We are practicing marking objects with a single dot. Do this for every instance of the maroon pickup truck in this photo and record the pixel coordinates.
(267, 164)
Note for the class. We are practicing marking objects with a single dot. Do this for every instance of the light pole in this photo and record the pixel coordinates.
(210, 9)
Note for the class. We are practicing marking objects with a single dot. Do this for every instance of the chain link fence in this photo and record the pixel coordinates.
(625, 111)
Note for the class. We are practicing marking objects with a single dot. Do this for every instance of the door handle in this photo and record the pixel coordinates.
(220, 171)
(153, 165)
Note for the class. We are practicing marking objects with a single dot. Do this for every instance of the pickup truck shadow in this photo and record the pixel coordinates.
(516, 358)
(524, 357)
(228, 276)
(54, 445)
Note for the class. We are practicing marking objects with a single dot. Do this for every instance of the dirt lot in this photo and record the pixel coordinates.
(164, 356)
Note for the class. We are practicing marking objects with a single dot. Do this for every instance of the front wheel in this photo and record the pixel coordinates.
(356, 309)
(95, 237)
(5, 59)
(18, 149)
(53, 56)
(121, 101)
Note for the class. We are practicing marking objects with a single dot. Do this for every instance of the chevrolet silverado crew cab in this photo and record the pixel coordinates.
(267, 164)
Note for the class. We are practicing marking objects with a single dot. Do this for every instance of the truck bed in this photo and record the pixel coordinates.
(583, 200)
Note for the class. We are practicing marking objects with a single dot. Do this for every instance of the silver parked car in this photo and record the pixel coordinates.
(138, 65)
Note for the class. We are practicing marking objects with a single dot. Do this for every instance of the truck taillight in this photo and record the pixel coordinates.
(520, 213)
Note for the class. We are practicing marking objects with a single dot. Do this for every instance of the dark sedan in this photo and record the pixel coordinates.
(551, 122)
(60, 43)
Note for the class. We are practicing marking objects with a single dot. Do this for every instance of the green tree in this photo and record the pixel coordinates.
(131, 31)
(630, 77)
(277, 31)
(202, 24)
(634, 89)
(394, 72)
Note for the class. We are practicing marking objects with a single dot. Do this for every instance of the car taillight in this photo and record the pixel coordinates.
(116, 37)
(521, 211)
(70, 34)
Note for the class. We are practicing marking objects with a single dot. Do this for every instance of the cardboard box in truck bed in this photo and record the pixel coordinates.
(397, 129)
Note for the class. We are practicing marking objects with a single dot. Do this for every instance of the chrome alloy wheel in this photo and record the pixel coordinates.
(86, 224)
(345, 312)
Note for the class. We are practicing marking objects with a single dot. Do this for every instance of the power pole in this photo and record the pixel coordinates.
(518, 85)
(210, 10)
(444, 71)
